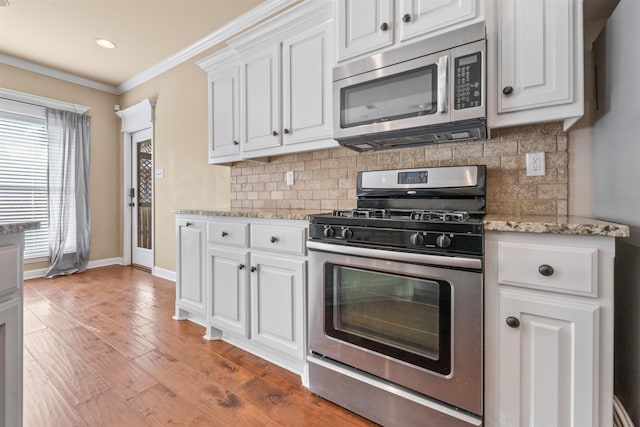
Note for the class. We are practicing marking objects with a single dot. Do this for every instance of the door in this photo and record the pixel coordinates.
(262, 99)
(419, 17)
(11, 363)
(363, 26)
(548, 361)
(227, 277)
(190, 272)
(141, 198)
(307, 86)
(225, 113)
(277, 303)
(535, 53)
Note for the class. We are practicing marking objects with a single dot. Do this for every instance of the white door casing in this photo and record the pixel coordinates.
(134, 119)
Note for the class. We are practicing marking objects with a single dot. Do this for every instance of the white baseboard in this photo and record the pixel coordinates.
(40, 272)
(163, 273)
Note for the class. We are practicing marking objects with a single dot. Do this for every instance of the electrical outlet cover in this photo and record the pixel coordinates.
(535, 164)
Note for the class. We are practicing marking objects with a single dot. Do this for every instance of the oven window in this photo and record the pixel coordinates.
(407, 318)
(409, 94)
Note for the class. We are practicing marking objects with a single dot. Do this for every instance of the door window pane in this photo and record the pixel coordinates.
(144, 175)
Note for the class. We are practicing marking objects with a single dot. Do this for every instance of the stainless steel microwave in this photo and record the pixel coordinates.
(428, 92)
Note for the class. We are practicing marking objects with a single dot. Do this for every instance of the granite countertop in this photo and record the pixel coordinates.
(298, 214)
(493, 222)
(555, 225)
(17, 227)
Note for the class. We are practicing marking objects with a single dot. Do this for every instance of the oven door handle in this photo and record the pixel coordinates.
(437, 260)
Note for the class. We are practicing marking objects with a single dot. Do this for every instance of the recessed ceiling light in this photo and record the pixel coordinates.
(105, 43)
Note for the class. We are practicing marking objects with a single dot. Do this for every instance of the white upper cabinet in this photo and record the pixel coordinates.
(420, 17)
(307, 58)
(283, 104)
(224, 105)
(363, 26)
(367, 26)
(537, 72)
(261, 84)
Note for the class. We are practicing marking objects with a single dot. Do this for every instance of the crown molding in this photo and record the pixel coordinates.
(248, 19)
(232, 28)
(57, 74)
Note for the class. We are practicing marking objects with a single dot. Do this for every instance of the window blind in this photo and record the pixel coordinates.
(23, 176)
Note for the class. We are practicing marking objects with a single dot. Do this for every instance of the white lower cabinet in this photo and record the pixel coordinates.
(190, 269)
(11, 329)
(277, 290)
(548, 344)
(227, 281)
(256, 287)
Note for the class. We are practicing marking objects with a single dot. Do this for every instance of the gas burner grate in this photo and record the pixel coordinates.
(440, 216)
(363, 213)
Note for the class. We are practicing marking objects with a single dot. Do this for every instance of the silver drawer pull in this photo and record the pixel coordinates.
(545, 270)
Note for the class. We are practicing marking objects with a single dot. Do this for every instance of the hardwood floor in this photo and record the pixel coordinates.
(101, 349)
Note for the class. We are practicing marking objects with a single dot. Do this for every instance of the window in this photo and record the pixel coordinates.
(23, 172)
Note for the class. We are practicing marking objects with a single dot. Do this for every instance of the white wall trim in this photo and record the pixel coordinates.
(163, 273)
(135, 118)
(41, 101)
(56, 74)
(228, 30)
(40, 272)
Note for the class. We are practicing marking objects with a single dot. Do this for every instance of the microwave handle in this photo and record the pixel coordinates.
(443, 69)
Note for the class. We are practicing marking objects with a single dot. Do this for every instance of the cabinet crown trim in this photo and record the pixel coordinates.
(285, 22)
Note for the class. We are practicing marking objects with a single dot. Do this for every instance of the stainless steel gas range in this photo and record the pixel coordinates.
(395, 298)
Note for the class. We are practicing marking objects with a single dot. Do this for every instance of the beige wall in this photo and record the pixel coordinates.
(104, 180)
(180, 148)
(326, 180)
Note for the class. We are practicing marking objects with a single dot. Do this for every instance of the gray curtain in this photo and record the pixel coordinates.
(68, 184)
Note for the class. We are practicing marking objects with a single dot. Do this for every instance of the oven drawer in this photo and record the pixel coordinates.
(280, 239)
(564, 269)
(228, 233)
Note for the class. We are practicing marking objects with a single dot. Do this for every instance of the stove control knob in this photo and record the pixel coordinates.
(416, 239)
(328, 231)
(346, 233)
(443, 241)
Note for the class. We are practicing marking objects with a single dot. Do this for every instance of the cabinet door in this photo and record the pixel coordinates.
(361, 26)
(549, 362)
(261, 83)
(11, 363)
(190, 271)
(227, 278)
(224, 93)
(277, 303)
(418, 17)
(535, 54)
(307, 58)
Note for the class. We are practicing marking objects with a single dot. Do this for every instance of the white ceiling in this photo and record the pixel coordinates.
(61, 34)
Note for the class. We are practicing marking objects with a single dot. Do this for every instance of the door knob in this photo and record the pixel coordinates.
(240, 266)
(508, 90)
(224, 234)
(236, 142)
(275, 133)
(384, 26)
(273, 239)
(406, 18)
(253, 269)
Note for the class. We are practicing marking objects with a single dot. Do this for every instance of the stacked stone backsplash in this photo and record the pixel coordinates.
(326, 180)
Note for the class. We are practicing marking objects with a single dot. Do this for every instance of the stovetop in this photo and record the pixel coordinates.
(430, 210)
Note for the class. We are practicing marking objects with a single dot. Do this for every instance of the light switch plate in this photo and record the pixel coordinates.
(159, 173)
(289, 177)
(535, 164)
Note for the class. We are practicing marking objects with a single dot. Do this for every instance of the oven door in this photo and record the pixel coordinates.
(411, 319)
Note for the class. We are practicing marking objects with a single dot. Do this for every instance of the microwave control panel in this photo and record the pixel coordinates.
(468, 81)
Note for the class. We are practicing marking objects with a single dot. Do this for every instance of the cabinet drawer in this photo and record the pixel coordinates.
(565, 269)
(281, 239)
(228, 233)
